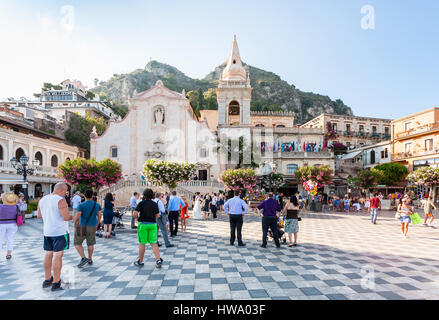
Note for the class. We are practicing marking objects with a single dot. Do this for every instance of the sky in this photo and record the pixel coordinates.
(379, 56)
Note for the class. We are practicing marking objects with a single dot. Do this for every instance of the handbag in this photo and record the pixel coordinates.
(397, 215)
(415, 218)
(20, 220)
(83, 229)
(299, 219)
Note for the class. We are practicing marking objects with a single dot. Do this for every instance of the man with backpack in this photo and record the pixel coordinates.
(86, 220)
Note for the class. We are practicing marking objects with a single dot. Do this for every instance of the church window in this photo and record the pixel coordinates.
(114, 152)
(260, 125)
(280, 126)
(203, 153)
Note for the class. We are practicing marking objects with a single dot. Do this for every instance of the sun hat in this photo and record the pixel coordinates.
(10, 199)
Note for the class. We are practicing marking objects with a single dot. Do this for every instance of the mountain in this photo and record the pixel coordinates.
(270, 92)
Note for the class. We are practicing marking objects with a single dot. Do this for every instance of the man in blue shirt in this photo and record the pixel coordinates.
(236, 208)
(269, 207)
(87, 216)
(133, 205)
(174, 205)
(161, 222)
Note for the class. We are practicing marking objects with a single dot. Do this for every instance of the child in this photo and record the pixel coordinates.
(367, 204)
(428, 210)
(346, 203)
(184, 215)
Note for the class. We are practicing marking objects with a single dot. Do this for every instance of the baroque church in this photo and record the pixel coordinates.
(161, 124)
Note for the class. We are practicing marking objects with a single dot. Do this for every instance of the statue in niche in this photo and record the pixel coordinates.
(159, 116)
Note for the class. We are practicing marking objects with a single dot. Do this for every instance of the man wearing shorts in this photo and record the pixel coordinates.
(54, 211)
(428, 211)
(147, 213)
(86, 220)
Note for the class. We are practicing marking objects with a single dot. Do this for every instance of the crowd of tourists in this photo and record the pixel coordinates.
(161, 213)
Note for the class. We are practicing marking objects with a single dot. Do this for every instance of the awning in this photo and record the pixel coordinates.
(350, 155)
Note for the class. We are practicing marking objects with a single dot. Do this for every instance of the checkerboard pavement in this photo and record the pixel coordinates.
(333, 261)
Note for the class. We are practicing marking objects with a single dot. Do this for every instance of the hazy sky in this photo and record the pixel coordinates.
(317, 45)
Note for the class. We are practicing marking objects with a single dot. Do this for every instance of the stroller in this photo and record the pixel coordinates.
(280, 231)
(116, 223)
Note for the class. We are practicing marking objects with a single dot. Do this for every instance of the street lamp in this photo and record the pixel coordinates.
(22, 168)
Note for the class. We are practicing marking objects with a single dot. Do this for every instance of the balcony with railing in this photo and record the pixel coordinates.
(7, 167)
(418, 130)
(364, 135)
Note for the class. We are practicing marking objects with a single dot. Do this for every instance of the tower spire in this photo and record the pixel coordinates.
(234, 69)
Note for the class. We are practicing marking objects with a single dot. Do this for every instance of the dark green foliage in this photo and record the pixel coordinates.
(270, 92)
(79, 131)
(391, 173)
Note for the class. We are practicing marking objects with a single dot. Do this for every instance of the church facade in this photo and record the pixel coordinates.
(161, 124)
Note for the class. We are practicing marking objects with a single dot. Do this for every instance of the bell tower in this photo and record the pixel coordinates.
(234, 91)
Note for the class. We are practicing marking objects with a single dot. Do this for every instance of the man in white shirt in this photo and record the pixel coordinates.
(76, 201)
(54, 211)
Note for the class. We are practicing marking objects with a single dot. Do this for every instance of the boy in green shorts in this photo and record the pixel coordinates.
(146, 212)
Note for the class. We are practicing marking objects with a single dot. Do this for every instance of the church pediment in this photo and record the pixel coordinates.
(158, 90)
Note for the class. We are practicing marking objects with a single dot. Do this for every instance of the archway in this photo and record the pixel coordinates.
(54, 161)
(39, 157)
(19, 153)
(234, 109)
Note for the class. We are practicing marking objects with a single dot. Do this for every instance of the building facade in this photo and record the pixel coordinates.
(18, 138)
(352, 131)
(160, 124)
(56, 103)
(415, 139)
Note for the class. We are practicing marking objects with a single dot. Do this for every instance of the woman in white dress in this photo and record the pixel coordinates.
(197, 208)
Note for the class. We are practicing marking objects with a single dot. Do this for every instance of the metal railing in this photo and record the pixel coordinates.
(7, 166)
(421, 129)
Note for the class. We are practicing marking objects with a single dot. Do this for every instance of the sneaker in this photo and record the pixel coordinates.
(56, 286)
(170, 246)
(241, 245)
(90, 262)
(83, 262)
(47, 283)
(159, 263)
(139, 264)
(263, 246)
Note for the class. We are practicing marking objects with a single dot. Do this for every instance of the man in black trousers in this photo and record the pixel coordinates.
(236, 208)
(269, 219)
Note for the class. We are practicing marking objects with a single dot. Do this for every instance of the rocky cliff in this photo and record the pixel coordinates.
(270, 92)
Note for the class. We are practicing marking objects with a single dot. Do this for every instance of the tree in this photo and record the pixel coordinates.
(319, 176)
(426, 176)
(200, 101)
(90, 95)
(168, 172)
(391, 173)
(366, 179)
(79, 129)
(238, 179)
(90, 174)
(210, 97)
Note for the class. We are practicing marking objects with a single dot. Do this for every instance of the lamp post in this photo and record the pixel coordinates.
(21, 166)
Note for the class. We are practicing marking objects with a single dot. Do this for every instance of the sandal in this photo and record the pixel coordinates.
(8, 257)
